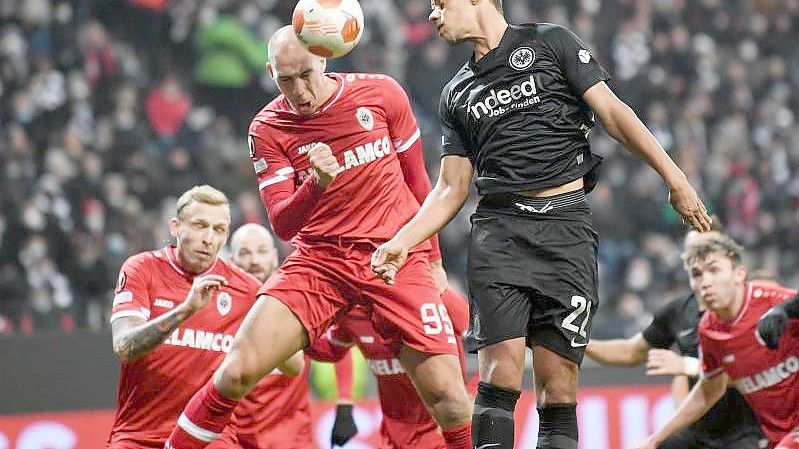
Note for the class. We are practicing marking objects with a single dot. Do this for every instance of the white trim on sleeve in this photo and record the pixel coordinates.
(141, 313)
(280, 176)
(402, 147)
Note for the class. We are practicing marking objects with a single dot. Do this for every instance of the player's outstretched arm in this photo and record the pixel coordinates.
(134, 337)
(623, 125)
(443, 202)
(665, 362)
(772, 324)
(704, 394)
(619, 352)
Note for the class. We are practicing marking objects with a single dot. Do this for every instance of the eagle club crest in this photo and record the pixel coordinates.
(365, 118)
(521, 58)
(223, 303)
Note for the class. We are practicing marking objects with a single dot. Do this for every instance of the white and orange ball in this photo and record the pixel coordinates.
(328, 28)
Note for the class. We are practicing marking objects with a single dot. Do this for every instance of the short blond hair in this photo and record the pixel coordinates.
(199, 194)
(700, 245)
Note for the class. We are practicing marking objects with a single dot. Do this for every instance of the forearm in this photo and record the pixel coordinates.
(679, 389)
(696, 404)
(142, 339)
(440, 206)
(287, 210)
(615, 352)
(627, 129)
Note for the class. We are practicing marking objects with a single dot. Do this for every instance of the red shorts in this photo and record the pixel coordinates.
(319, 281)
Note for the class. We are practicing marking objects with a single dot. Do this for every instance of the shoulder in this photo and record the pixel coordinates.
(143, 261)
(770, 292)
(708, 322)
(546, 30)
(452, 86)
(238, 277)
(378, 84)
(267, 115)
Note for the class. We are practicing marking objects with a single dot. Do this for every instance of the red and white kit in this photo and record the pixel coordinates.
(369, 125)
(768, 379)
(406, 423)
(154, 388)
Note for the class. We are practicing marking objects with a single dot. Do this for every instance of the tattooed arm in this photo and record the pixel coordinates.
(133, 337)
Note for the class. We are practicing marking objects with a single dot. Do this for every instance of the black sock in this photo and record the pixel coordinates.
(557, 426)
(492, 419)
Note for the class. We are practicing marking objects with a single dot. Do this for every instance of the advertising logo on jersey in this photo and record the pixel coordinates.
(365, 118)
(519, 95)
(522, 58)
(769, 377)
(584, 56)
(223, 303)
(251, 145)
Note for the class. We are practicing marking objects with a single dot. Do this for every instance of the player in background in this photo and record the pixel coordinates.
(730, 424)
(519, 114)
(339, 165)
(174, 316)
(277, 413)
(406, 421)
(732, 350)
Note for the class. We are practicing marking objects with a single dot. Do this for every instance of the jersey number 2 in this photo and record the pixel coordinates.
(580, 305)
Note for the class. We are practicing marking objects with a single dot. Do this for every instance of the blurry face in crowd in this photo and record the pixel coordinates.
(200, 234)
(299, 74)
(718, 282)
(456, 20)
(254, 252)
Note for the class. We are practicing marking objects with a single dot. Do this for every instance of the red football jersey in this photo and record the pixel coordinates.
(367, 122)
(154, 389)
(768, 379)
(406, 423)
(277, 413)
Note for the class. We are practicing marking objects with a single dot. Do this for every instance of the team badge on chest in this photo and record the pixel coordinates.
(223, 303)
(365, 118)
(522, 58)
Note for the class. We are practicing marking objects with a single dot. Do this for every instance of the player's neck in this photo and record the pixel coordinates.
(492, 28)
(330, 88)
(731, 312)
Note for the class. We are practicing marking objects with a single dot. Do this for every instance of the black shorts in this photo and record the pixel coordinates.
(692, 439)
(533, 272)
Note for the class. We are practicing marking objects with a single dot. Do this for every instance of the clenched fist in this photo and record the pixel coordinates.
(324, 164)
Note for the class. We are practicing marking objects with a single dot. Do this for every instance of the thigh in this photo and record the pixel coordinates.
(565, 281)
(411, 310)
(499, 302)
(790, 441)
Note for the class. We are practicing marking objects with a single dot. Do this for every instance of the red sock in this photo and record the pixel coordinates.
(459, 437)
(203, 419)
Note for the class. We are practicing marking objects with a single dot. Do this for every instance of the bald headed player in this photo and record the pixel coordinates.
(340, 170)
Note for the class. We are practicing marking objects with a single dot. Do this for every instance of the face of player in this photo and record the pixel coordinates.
(200, 234)
(718, 283)
(456, 20)
(300, 76)
(256, 255)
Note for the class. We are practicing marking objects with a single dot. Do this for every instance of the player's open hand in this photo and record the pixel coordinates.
(771, 325)
(686, 202)
(663, 362)
(202, 289)
(387, 259)
(324, 164)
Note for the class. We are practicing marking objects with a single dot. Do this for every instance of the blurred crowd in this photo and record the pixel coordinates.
(110, 109)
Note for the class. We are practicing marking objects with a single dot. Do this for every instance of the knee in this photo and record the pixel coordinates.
(235, 377)
(450, 406)
(560, 388)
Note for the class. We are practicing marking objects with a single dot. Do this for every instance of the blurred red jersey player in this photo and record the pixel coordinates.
(406, 421)
(174, 316)
(731, 346)
(339, 164)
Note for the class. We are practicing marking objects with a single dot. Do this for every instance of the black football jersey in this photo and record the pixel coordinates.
(518, 112)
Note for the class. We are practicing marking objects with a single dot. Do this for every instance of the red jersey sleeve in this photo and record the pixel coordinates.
(402, 127)
(287, 207)
(708, 356)
(131, 296)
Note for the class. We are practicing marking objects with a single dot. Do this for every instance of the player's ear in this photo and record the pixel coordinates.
(270, 70)
(323, 64)
(740, 273)
(174, 226)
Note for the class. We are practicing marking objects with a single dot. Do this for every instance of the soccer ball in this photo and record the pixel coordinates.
(328, 28)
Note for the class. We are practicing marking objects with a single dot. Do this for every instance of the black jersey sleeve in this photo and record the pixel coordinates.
(451, 141)
(581, 68)
(660, 334)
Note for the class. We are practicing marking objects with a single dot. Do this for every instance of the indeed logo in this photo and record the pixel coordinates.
(494, 104)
